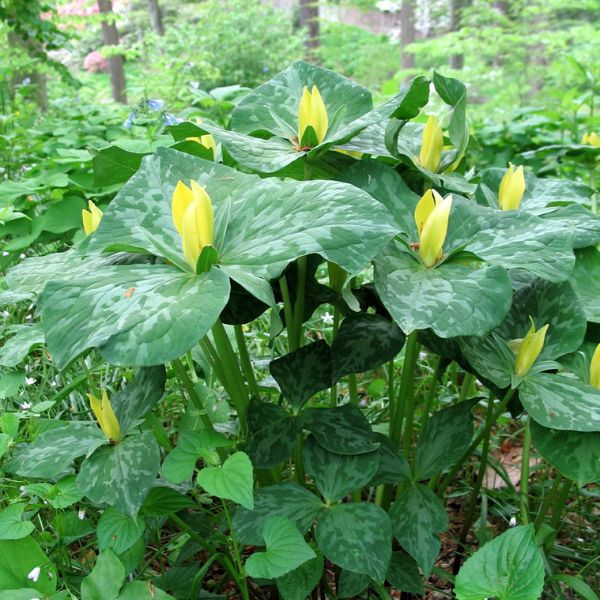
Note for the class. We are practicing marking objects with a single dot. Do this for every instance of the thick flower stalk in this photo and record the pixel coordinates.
(91, 218)
(431, 216)
(194, 220)
(312, 113)
(595, 368)
(106, 417)
(512, 188)
(528, 349)
(430, 156)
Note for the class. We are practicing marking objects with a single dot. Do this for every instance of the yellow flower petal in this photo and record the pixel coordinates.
(432, 144)
(530, 349)
(304, 112)
(91, 218)
(182, 198)
(312, 112)
(206, 216)
(110, 424)
(433, 234)
(425, 207)
(512, 188)
(96, 408)
(595, 368)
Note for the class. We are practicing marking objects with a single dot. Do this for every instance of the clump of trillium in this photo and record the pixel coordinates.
(512, 188)
(106, 417)
(431, 217)
(193, 217)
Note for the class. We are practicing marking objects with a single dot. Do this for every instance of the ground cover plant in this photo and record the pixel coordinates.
(279, 356)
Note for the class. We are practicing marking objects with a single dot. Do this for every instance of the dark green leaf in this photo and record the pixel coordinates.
(299, 583)
(232, 481)
(115, 165)
(118, 531)
(18, 558)
(403, 574)
(163, 500)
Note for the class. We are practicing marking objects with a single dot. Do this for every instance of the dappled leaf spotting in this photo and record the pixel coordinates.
(277, 326)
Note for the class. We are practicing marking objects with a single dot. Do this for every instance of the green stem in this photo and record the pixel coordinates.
(237, 556)
(548, 500)
(431, 393)
(288, 312)
(483, 432)
(405, 406)
(353, 389)
(301, 266)
(240, 338)
(299, 460)
(524, 487)
(336, 326)
(559, 507)
(381, 591)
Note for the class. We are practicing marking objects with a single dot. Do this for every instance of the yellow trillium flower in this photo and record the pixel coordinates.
(91, 218)
(591, 139)
(529, 348)
(512, 188)
(105, 415)
(595, 368)
(312, 112)
(208, 141)
(431, 216)
(430, 156)
(194, 219)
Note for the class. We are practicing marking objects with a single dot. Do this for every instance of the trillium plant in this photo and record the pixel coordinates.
(312, 199)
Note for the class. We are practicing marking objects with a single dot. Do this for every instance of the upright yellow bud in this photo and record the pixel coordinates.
(91, 218)
(512, 188)
(591, 139)
(312, 112)
(106, 417)
(432, 144)
(431, 216)
(595, 368)
(208, 141)
(529, 349)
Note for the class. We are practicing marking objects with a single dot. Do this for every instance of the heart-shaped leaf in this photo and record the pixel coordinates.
(12, 526)
(232, 481)
(299, 583)
(118, 531)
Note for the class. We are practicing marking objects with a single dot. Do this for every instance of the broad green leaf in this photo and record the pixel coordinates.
(5, 441)
(452, 299)
(578, 584)
(31, 594)
(11, 383)
(143, 590)
(16, 348)
(337, 475)
(393, 467)
(585, 280)
(121, 475)
(303, 373)
(139, 397)
(299, 583)
(105, 580)
(285, 551)
(446, 436)
(583, 225)
(136, 315)
(62, 494)
(191, 445)
(283, 499)
(232, 481)
(118, 531)
(12, 525)
(272, 434)
(417, 518)
(356, 537)
(52, 452)
(342, 430)
(114, 165)
(363, 342)
(351, 585)
(162, 500)
(576, 454)
(403, 574)
(561, 402)
(510, 567)
(19, 564)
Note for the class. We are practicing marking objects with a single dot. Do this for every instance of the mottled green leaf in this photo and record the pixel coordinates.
(336, 475)
(363, 342)
(403, 574)
(118, 531)
(561, 402)
(136, 315)
(299, 583)
(510, 567)
(356, 537)
(18, 558)
(576, 454)
(418, 517)
(17, 347)
(342, 430)
(585, 280)
(121, 475)
(393, 467)
(285, 551)
(446, 436)
(12, 525)
(284, 499)
(582, 224)
(232, 481)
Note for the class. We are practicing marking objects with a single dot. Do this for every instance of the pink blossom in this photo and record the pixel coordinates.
(95, 62)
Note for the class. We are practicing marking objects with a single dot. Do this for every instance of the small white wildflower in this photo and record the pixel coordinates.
(28, 317)
(53, 384)
(513, 521)
(422, 355)
(25, 405)
(34, 574)
(81, 515)
(327, 319)
(5, 314)
(30, 380)
(5, 253)
(22, 490)
(22, 256)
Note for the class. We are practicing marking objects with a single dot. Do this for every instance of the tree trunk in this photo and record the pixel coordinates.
(115, 63)
(309, 18)
(156, 17)
(457, 61)
(407, 32)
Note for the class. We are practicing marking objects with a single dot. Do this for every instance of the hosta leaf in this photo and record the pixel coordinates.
(286, 550)
(452, 299)
(561, 402)
(50, 455)
(17, 347)
(336, 475)
(510, 567)
(284, 499)
(136, 315)
(18, 558)
(585, 280)
(12, 525)
(356, 537)
(418, 517)
(118, 531)
(232, 481)
(299, 583)
(121, 475)
(446, 436)
(576, 454)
